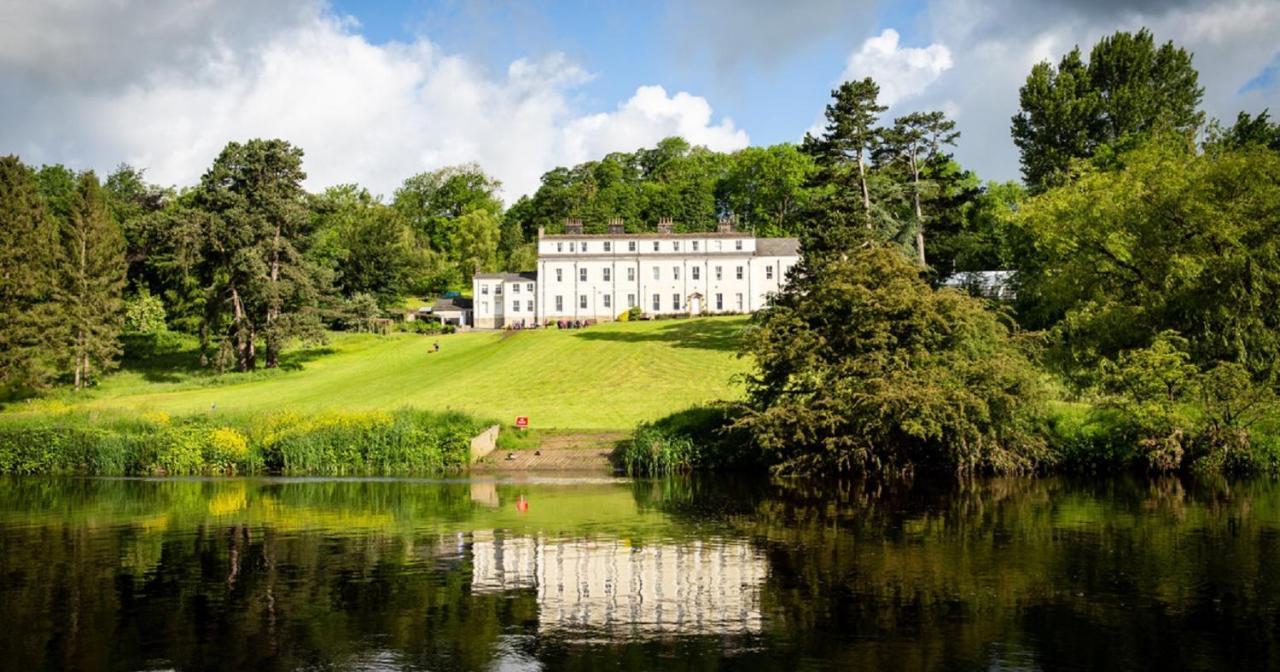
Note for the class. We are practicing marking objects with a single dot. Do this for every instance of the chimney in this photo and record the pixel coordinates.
(725, 225)
(665, 225)
(572, 226)
(616, 227)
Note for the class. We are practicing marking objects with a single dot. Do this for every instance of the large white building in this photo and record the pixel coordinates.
(584, 276)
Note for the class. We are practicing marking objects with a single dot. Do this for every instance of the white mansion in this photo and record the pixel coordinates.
(600, 276)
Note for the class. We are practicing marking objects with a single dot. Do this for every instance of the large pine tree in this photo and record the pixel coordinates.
(27, 249)
(91, 282)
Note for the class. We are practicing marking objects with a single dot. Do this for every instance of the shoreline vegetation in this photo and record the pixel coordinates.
(331, 443)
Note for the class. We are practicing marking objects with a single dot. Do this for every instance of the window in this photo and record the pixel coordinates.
(607, 300)
(656, 273)
(559, 275)
(529, 287)
(657, 302)
(675, 246)
(607, 275)
(631, 300)
(559, 304)
(697, 272)
(737, 244)
(695, 246)
(515, 306)
(631, 274)
(719, 301)
(739, 272)
(559, 247)
(484, 306)
(573, 247)
(584, 246)
(675, 272)
(768, 272)
(529, 305)
(582, 275)
(515, 289)
(484, 289)
(719, 273)
(675, 302)
(497, 289)
(582, 301)
(739, 302)
(631, 246)
(608, 246)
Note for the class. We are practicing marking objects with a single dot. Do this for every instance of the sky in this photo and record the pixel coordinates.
(374, 92)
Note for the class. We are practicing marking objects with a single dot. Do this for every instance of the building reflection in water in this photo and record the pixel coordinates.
(698, 587)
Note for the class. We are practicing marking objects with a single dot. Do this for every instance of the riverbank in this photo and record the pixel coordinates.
(331, 443)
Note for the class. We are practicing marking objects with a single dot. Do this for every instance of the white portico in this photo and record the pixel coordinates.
(584, 276)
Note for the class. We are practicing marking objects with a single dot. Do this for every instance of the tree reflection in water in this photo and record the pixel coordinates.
(1052, 574)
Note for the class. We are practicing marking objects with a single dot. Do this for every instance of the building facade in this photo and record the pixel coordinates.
(598, 277)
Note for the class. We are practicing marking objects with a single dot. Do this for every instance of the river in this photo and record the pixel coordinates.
(601, 573)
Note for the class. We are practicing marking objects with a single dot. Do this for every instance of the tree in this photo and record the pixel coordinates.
(1249, 130)
(132, 200)
(28, 246)
(862, 367)
(1129, 89)
(253, 263)
(1172, 240)
(365, 243)
(91, 282)
(766, 188)
(916, 140)
(434, 205)
(972, 222)
(850, 136)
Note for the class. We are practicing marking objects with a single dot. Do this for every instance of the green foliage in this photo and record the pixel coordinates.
(28, 244)
(697, 438)
(365, 244)
(336, 443)
(1129, 89)
(144, 313)
(454, 212)
(864, 368)
(1173, 240)
(254, 240)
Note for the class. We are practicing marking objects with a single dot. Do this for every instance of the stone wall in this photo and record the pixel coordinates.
(484, 443)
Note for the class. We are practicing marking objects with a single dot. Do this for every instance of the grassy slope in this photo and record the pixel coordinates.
(608, 376)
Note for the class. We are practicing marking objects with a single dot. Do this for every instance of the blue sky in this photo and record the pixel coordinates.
(624, 44)
(375, 92)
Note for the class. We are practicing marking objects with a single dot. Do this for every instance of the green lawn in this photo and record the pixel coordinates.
(609, 376)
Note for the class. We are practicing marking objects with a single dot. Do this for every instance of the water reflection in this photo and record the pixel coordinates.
(1050, 574)
(615, 588)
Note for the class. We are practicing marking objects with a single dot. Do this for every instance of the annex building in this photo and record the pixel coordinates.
(583, 276)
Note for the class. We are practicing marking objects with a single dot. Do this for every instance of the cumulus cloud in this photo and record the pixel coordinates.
(372, 114)
(996, 42)
(901, 72)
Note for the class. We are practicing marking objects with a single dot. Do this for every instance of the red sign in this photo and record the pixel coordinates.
(522, 421)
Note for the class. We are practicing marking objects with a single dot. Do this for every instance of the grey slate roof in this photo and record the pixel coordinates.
(451, 305)
(531, 276)
(777, 247)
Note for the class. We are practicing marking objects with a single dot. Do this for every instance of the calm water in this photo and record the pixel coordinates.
(613, 574)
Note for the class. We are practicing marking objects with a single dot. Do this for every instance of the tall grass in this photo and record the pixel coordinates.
(333, 443)
(697, 438)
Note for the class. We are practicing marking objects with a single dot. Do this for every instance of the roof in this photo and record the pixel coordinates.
(646, 236)
(777, 247)
(451, 305)
(531, 276)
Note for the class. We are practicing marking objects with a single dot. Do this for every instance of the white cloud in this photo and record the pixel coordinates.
(372, 114)
(901, 72)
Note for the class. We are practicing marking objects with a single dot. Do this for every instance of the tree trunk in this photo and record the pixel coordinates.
(245, 357)
(919, 216)
(866, 194)
(273, 307)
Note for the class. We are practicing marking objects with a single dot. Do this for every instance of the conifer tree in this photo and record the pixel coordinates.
(91, 278)
(850, 136)
(27, 248)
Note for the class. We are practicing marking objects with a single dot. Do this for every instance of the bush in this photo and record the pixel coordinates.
(402, 442)
(144, 314)
(697, 438)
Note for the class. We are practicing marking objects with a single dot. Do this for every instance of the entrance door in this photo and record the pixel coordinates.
(695, 304)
